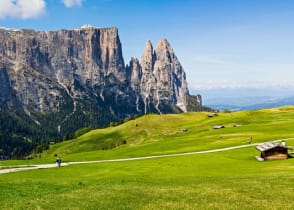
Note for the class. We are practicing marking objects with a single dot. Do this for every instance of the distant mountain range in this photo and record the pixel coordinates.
(261, 103)
(247, 98)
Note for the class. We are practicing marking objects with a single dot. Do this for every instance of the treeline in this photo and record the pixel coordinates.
(19, 135)
(119, 122)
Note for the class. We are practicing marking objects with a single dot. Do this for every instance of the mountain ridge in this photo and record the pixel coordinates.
(68, 79)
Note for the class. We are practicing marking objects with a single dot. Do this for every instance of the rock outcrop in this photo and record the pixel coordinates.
(162, 86)
(44, 64)
(68, 79)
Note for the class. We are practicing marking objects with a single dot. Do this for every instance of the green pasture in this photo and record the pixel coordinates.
(223, 180)
(163, 134)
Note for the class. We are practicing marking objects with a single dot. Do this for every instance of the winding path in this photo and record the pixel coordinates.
(44, 166)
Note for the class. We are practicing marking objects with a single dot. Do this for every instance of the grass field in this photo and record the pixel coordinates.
(157, 135)
(223, 180)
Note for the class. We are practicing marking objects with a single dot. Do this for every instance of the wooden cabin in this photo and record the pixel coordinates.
(212, 115)
(218, 126)
(272, 151)
(185, 129)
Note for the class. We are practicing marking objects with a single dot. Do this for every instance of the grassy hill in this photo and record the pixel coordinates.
(224, 180)
(165, 134)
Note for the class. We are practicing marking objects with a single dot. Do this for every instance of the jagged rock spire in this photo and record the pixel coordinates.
(169, 71)
(147, 57)
(163, 81)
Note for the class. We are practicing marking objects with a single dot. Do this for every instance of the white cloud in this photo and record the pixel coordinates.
(72, 3)
(23, 9)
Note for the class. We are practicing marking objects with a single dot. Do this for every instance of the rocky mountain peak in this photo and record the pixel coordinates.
(78, 78)
(165, 52)
(164, 44)
(163, 82)
(147, 57)
(134, 71)
(148, 46)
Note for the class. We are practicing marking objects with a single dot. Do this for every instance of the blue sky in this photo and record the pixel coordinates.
(220, 43)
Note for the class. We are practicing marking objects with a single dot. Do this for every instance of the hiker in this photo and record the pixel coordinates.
(58, 161)
(250, 140)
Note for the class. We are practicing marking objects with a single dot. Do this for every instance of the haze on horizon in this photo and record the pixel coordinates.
(221, 44)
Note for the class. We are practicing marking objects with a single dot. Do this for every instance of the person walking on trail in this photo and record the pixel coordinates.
(250, 140)
(58, 161)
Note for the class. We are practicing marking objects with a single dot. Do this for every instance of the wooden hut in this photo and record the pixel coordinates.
(185, 129)
(218, 126)
(272, 151)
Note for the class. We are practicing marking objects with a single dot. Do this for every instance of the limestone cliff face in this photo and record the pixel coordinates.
(80, 75)
(163, 85)
(134, 75)
(148, 80)
(42, 64)
(171, 78)
(7, 94)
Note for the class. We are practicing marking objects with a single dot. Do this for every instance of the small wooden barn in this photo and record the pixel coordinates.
(185, 129)
(272, 151)
(218, 126)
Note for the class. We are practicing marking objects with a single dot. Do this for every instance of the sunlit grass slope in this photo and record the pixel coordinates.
(164, 134)
(224, 180)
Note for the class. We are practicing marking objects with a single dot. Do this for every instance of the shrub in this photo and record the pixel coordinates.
(80, 132)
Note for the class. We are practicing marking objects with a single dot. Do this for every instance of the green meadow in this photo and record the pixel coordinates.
(222, 180)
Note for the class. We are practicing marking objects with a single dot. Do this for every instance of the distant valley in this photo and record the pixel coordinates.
(237, 99)
(260, 103)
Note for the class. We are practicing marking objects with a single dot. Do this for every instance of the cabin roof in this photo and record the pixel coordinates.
(270, 145)
(218, 126)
